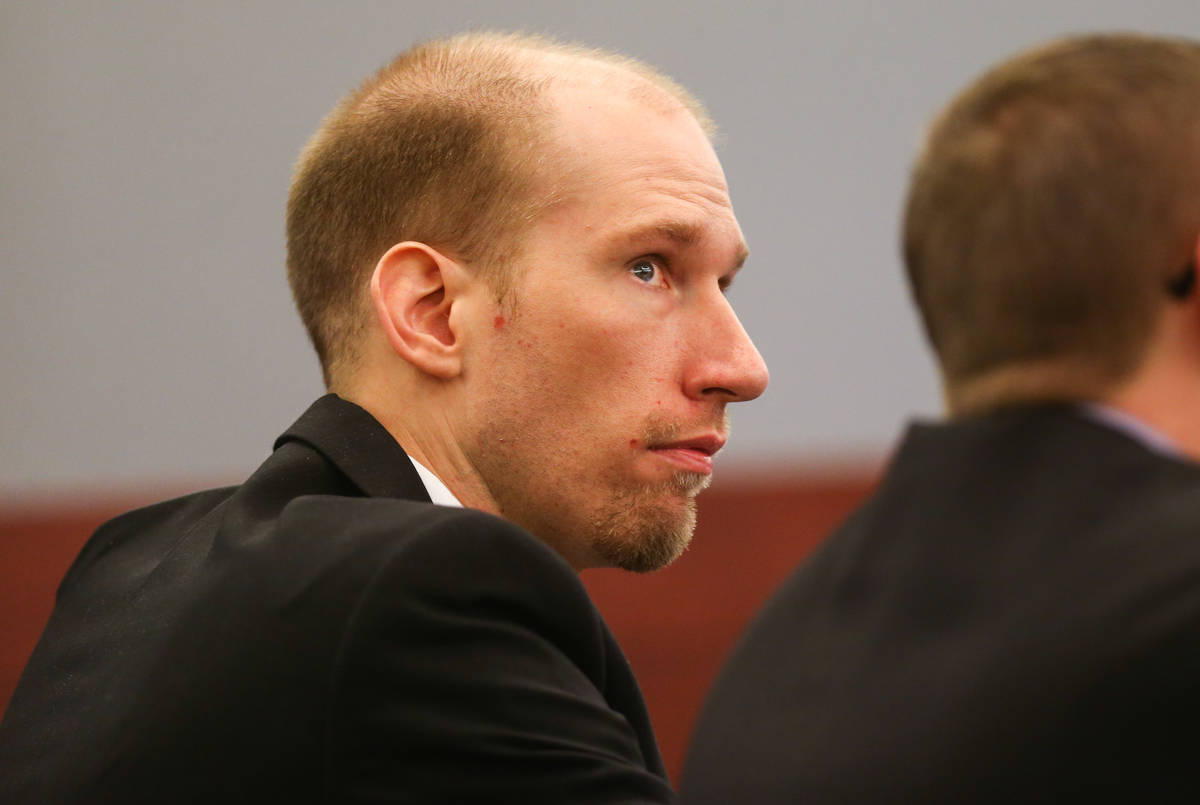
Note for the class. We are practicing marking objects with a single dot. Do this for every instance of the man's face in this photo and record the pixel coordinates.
(597, 394)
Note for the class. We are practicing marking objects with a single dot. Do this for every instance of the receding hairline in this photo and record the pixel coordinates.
(553, 67)
(487, 100)
(564, 63)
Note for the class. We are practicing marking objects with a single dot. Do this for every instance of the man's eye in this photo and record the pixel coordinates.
(646, 270)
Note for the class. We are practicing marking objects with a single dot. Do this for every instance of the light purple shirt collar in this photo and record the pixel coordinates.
(1131, 426)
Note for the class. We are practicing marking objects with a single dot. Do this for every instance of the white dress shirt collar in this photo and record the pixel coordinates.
(438, 492)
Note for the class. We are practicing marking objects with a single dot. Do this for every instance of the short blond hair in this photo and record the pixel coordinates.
(1053, 199)
(443, 145)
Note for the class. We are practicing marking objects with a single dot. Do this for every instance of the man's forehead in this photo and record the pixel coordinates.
(594, 103)
(582, 76)
(632, 171)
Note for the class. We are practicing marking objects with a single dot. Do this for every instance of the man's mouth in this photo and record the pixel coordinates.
(694, 454)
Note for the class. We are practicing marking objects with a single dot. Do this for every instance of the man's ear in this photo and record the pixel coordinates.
(413, 288)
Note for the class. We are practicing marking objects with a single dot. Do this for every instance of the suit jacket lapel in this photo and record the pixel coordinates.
(354, 441)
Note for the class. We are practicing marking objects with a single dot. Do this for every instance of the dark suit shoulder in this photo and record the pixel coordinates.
(1013, 615)
(409, 548)
(476, 668)
(324, 633)
(144, 524)
(394, 524)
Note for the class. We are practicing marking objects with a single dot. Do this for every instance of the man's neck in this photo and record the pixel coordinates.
(423, 431)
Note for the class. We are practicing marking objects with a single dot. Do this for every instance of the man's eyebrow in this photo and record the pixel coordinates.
(682, 233)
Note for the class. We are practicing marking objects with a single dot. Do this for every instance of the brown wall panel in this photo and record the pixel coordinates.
(676, 625)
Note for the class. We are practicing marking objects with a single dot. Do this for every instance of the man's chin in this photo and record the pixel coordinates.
(692, 483)
(650, 531)
(644, 554)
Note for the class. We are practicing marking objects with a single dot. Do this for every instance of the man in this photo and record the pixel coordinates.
(1014, 615)
(511, 257)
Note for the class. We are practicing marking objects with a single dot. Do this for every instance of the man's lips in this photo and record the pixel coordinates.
(694, 454)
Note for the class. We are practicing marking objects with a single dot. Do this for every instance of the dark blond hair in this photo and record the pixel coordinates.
(441, 146)
(1054, 198)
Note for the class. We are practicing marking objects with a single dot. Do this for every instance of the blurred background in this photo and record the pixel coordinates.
(148, 344)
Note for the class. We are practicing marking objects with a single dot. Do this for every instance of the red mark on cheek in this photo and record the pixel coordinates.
(498, 322)
(633, 442)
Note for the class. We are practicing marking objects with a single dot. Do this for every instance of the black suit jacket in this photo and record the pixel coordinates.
(1014, 616)
(323, 633)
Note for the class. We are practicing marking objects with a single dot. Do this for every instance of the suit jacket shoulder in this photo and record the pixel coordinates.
(1014, 615)
(533, 694)
(323, 632)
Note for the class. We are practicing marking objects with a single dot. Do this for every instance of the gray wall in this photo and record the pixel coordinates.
(146, 332)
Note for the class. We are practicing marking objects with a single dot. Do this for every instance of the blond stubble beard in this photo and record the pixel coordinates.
(638, 528)
(629, 536)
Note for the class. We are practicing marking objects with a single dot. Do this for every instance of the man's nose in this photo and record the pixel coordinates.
(725, 363)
